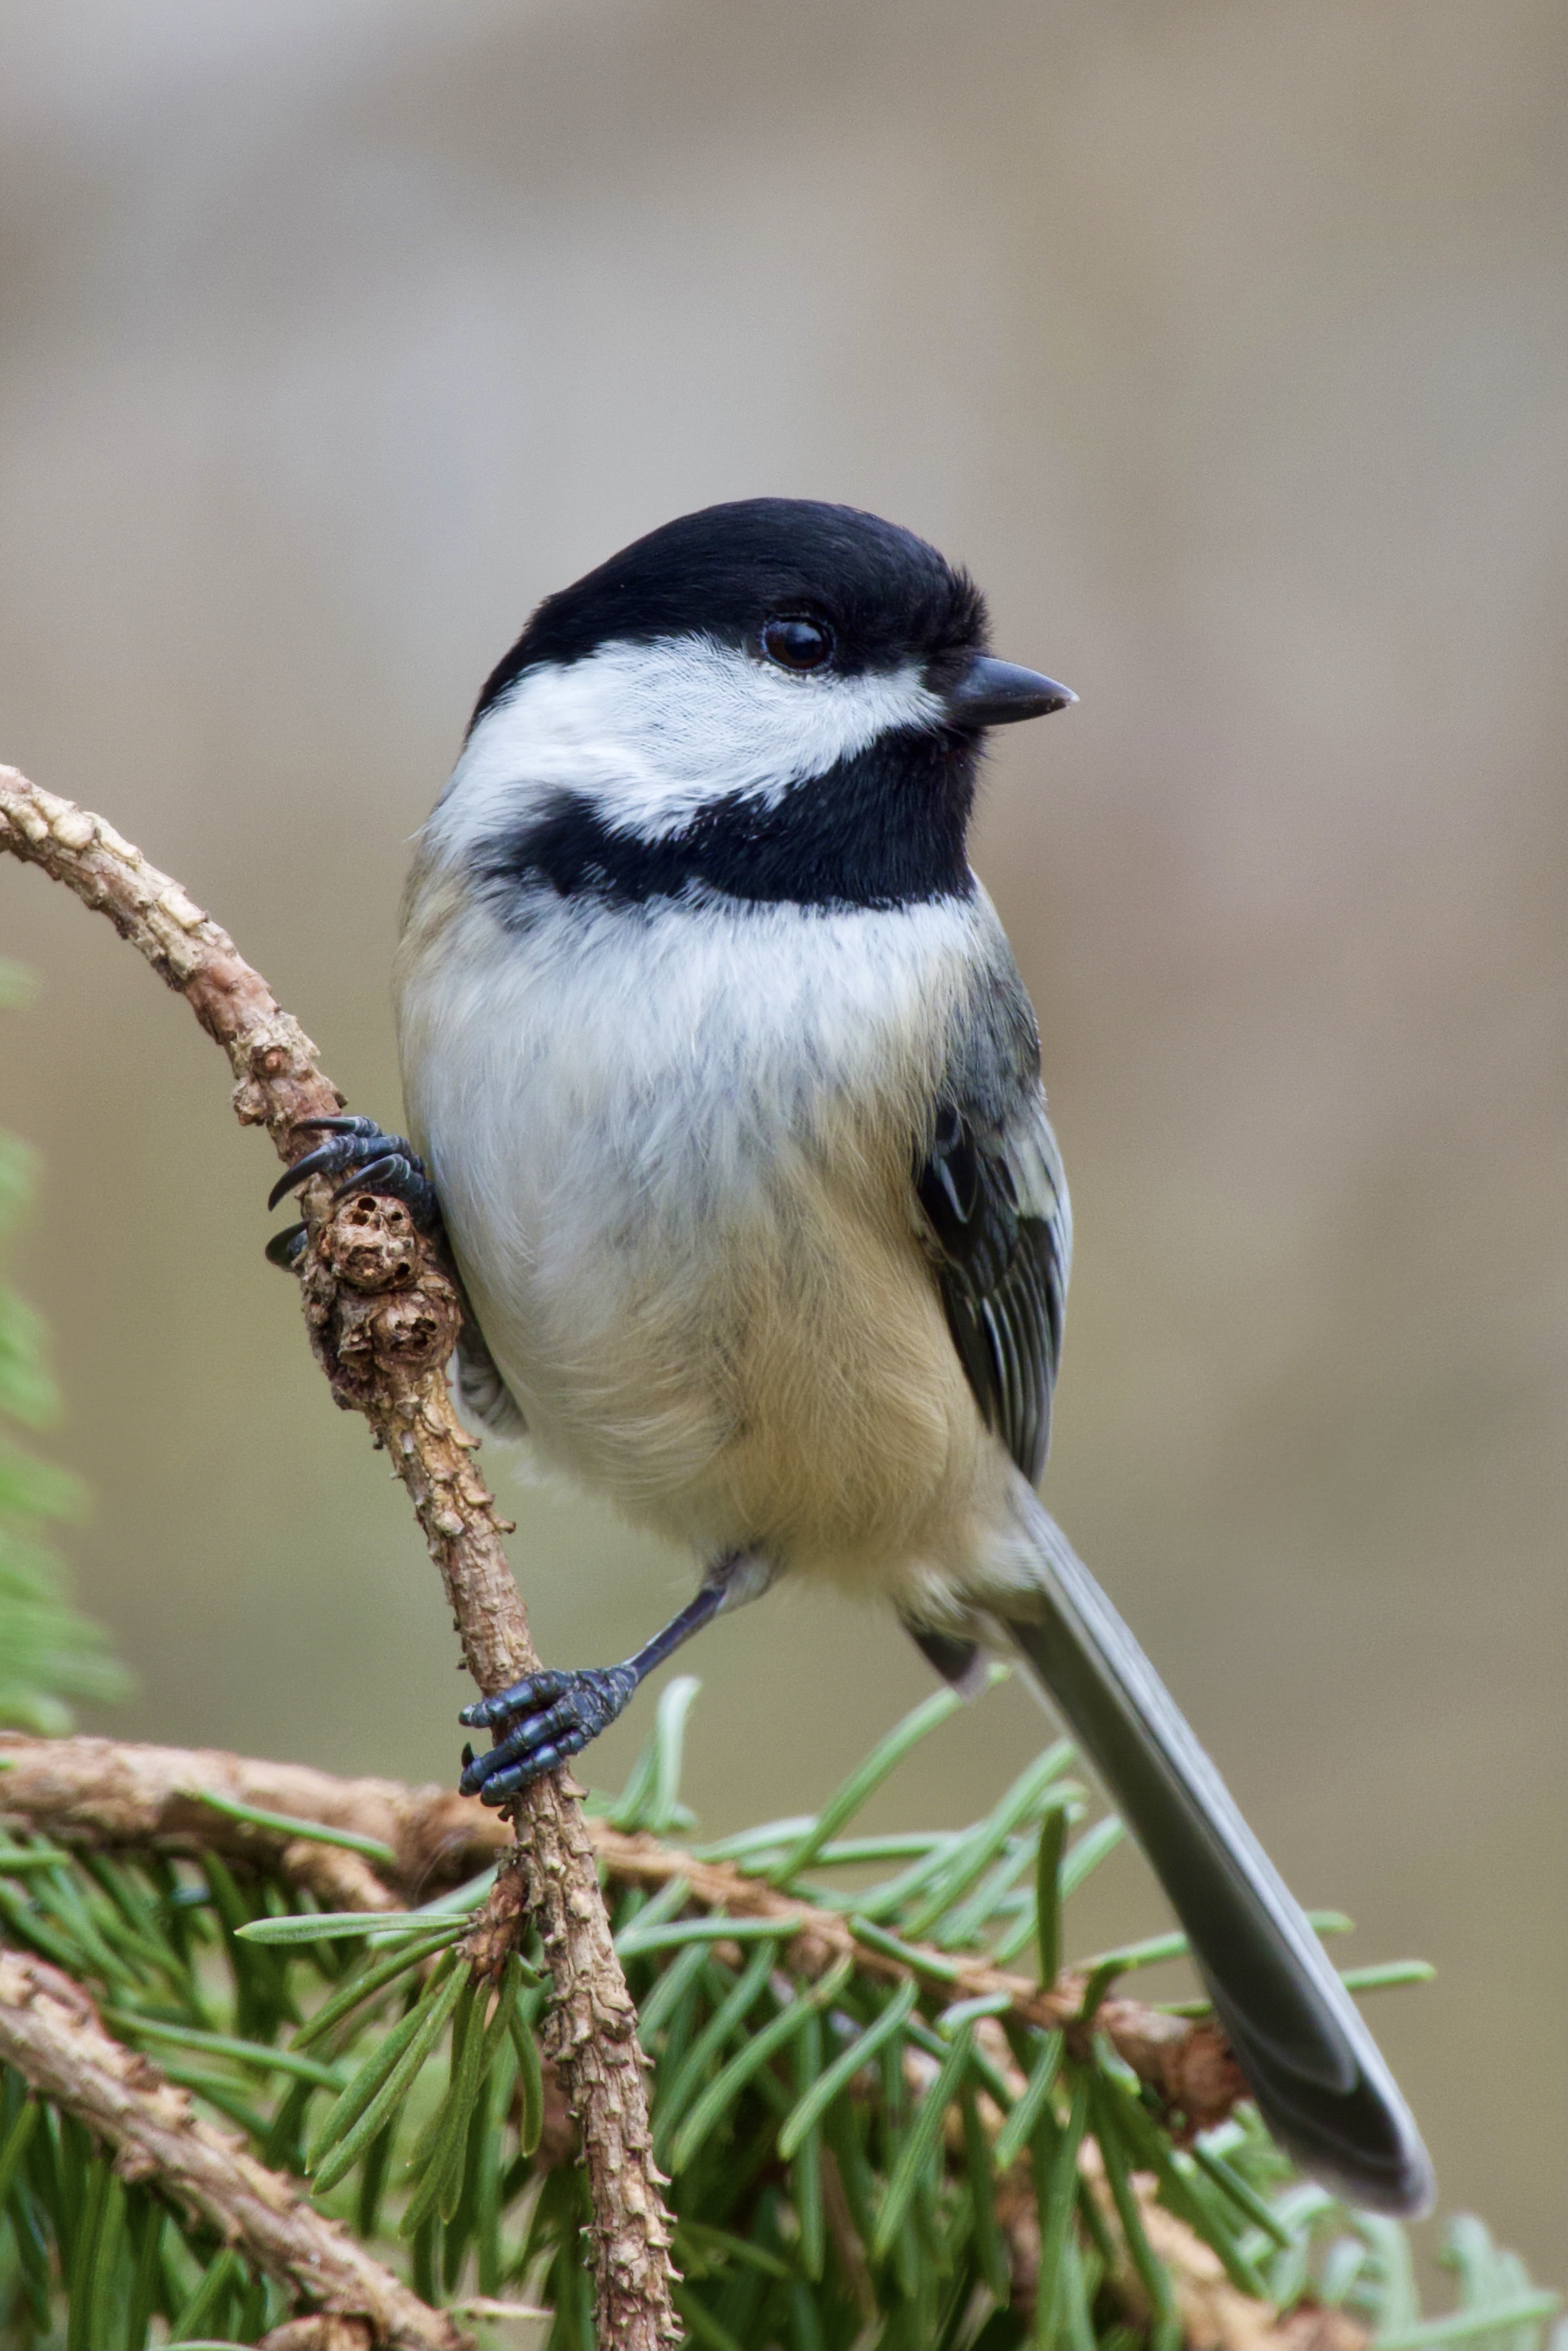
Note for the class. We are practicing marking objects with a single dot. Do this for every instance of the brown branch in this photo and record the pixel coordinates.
(109, 1791)
(50, 2033)
(99, 1791)
(383, 1314)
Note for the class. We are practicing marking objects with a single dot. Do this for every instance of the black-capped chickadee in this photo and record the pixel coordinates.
(729, 1091)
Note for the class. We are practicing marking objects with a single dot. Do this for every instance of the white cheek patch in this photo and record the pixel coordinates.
(654, 733)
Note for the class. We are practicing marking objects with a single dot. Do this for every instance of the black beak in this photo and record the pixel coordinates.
(994, 692)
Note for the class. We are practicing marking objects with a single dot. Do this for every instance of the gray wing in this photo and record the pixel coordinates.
(994, 1203)
(482, 1391)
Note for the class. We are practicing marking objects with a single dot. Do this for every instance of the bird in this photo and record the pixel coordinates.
(723, 1087)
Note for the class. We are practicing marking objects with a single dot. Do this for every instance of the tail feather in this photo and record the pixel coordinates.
(1308, 2058)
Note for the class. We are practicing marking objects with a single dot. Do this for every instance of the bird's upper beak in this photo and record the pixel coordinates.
(994, 692)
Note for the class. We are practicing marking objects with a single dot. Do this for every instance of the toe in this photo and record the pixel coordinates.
(496, 1787)
(531, 1736)
(526, 1736)
(523, 1697)
(386, 1173)
(360, 1146)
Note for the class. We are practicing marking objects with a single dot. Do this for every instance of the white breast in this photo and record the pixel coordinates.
(626, 1108)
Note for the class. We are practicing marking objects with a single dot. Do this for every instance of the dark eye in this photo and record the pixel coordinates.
(797, 644)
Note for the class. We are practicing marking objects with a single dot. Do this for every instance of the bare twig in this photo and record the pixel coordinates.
(99, 1791)
(384, 1313)
(50, 2033)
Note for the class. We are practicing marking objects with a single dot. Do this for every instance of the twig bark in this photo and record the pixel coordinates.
(100, 1791)
(383, 1314)
(50, 2033)
(106, 1793)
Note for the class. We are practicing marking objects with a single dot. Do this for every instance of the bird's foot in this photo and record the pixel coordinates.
(286, 1249)
(539, 1723)
(368, 1160)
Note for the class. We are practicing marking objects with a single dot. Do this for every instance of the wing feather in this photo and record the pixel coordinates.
(995, 1211)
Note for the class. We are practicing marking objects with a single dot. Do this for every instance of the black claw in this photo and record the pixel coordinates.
(327, 1156)
(301, 1173)
(367, 1159)
(382, 1174)
(286, 1247)
(537, 1724)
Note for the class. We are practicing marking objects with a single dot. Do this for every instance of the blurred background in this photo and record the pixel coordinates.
(1221, 341)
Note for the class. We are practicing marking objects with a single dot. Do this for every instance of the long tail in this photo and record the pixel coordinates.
(1309, 2060)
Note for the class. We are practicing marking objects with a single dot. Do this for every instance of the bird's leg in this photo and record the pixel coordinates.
(958, 1659)
(367, 1159)
(542, 1721)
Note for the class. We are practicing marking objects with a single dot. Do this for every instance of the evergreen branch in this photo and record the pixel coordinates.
(106, 1793)
(48, 1653)
(51, 2034)
(1166, 2274)
(843, 2151)
(383, 1314)
(1187, 2060)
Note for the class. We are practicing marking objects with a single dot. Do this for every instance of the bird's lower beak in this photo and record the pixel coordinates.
(995, 693)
